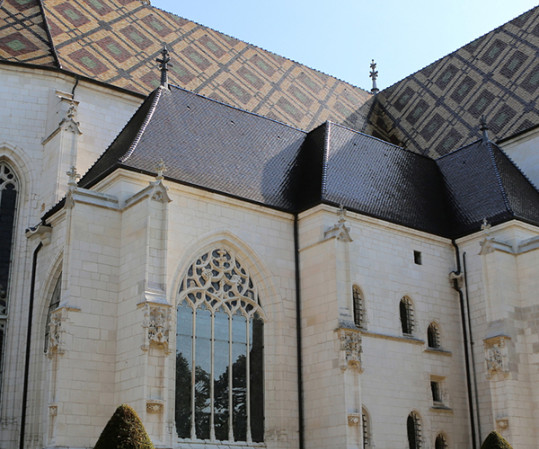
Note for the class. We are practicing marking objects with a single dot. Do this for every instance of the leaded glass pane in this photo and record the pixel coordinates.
(256, 352)
(221, 364)
(202, 373)
(184, 365)
(239, 376)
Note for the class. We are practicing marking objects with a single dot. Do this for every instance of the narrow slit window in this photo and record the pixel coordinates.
(406, 315)
(358, 306)
(417, 258)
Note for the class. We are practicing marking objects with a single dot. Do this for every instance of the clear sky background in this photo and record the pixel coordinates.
(340, 37)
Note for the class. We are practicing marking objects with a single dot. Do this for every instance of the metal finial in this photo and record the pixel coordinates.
(163, 65)
(160, 168)
(484, 129)
(374, 76)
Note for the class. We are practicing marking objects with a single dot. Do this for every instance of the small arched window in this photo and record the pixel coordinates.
(53, 305)
(365, 422)
(413, 427)
(433, 335)
(358, 306)
(406, 310)
(441, 442)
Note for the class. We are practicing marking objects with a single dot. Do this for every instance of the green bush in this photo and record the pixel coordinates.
(124, 431)
(495, 441)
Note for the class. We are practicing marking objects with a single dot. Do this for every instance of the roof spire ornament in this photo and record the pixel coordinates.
(163, 66)
(160, 169)
(374, 76)
(484, 129)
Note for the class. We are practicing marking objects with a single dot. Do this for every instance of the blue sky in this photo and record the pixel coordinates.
(340, 37)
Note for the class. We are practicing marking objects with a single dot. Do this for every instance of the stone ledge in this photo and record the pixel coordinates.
(401, 338)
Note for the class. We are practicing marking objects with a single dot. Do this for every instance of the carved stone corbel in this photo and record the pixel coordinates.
(354, 419)
(350, 348)
(157, 324)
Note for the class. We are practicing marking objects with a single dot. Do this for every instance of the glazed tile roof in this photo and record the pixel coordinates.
(432, 111)
(118, 41)
(237, 153)
(438, 109)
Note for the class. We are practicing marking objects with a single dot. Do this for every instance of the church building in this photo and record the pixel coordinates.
(254, 254)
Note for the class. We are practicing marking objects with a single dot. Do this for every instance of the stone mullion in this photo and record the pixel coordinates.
(230, 403)
(248, 382)
(212, 377)
(193, 364)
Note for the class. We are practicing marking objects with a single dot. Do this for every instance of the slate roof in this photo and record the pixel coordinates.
(432, 111)
(483, 183)
(207, 144)
(438, 109)
(216, 147)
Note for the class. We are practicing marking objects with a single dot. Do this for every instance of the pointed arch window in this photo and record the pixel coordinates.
(406, 310)
(9, 186)
(365, 422)
(53, 305)
(219, 352)
(441, 442)
(358, 306)
(433, 335)
(413, 427)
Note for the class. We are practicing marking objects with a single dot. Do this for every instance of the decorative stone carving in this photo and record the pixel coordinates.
(496, 356)
(502, 423)
(57, 331)
(354, 419)
(157, 323)
(350, 348)
(154, 406)
(340, 230)
(53, 409)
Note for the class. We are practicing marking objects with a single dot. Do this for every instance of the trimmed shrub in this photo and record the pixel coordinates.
(495, 441)
(124, 431)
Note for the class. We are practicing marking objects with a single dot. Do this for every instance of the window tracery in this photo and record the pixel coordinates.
(219, 352)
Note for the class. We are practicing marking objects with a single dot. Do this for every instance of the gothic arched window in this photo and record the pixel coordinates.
(441, 442)
(219, 352)
(406, 310)
(358, 306)
(365, 422)
(413, 427)
(53, 305)
(433, 335)
(9, 187)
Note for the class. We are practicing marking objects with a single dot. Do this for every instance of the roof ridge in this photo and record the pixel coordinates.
(230, 106)
(397, 147)
(260, 48)
(49, 35)
(144, 125)
(458, 49)
(499, 177)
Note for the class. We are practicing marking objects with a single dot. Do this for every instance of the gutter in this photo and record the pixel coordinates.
(28, 346)
(454, 276)
(301, 418)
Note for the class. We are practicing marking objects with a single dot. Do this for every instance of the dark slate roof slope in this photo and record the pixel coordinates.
(207, 144)
(438, 108)
(483, 183)
(376, 178)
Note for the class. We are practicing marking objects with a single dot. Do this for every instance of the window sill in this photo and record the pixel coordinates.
(401, 338)
(440, 408)
(438, 351)
(207, 444)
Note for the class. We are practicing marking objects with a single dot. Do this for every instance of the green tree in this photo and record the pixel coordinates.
(124, 431)
(495, 441)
